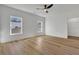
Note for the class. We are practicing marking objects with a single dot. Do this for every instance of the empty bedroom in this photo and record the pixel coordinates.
(39, 29)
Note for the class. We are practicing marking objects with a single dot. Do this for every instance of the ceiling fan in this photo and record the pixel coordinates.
(46, 7)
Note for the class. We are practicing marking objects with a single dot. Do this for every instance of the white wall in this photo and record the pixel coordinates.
(73, 20)
(0, 28)
(56, 23)
(29, 24)
(57, 20)
(0, 22)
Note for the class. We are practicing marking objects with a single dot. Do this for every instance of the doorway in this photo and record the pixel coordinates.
(73, 28)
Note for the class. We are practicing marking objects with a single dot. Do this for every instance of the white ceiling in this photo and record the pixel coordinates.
(32, 8)
(62, 8)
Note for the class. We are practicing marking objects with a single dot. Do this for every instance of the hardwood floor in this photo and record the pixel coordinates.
(42, 45)
(73, 37)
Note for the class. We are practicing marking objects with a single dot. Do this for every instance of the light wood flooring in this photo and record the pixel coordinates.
(41, 45)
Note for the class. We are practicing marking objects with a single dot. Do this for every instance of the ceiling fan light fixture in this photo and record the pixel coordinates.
(46, 7)
(45, 10)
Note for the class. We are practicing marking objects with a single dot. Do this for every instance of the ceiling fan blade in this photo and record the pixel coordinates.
(49, 6)
(45, 6)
